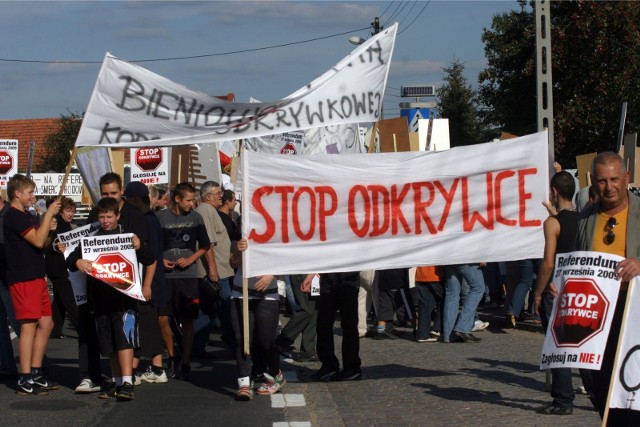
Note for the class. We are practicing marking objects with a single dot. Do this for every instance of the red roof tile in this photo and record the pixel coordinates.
(25, 131)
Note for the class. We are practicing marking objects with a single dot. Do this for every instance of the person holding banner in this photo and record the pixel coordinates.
(115, 312)
(64, 301)
(24, 241)
(264, 307)
(611, 225)
(560, 237)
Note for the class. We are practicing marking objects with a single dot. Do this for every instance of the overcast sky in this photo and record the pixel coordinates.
(431, 35)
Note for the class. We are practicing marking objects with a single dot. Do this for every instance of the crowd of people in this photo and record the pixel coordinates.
(190, 244)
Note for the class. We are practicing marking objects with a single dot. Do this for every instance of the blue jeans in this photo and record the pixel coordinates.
(527, 268)
(453, 275)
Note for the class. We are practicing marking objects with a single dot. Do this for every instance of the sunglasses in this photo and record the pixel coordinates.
(611, 235)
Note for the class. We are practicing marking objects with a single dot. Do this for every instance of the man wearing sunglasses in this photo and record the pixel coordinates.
(612, 225)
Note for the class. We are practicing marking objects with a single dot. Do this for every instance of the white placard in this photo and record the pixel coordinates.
(8, 161)
(150, 165)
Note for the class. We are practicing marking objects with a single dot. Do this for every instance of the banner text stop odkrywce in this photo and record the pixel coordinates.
(347, 213)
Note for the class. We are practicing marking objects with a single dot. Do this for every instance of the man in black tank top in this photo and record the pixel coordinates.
(560, 232)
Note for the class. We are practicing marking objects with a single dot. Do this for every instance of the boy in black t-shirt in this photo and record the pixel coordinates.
(115, 313)
(24, 243)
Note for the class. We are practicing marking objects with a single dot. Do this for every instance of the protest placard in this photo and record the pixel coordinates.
(8, 160)
(582, 311)
(71, 240)
(114, 262)
(379, 211)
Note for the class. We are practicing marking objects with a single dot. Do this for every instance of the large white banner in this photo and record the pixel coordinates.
(626, 372)
(582, 311)
(71, 240)
(114, 262)
(379, 211)
(133, 107)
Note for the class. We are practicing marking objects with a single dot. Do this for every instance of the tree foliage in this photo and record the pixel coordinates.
(595, 68)
(58, 145)
(457, 103)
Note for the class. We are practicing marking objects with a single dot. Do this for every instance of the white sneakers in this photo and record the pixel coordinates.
(479, 325)
(149, 376)
(87, 386)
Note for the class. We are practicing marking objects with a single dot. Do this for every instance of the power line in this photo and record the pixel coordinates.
(387, 8)
(191, 57)
(395, 12)
(414, 19)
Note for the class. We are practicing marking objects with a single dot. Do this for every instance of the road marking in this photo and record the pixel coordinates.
(292, 424)
(287, 400)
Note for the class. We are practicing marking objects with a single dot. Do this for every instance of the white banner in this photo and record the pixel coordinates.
(48, 184)
(71, 240)
(114, 262)
(379, 211)
(582, 312)
(626, 372)
(8, 161)
(150, 165)
(133, 107)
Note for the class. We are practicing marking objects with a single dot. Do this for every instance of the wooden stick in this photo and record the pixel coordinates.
(245, 316)
(372, 140)
(72, 158)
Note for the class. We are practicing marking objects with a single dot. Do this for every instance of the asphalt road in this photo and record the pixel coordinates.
(492, 383)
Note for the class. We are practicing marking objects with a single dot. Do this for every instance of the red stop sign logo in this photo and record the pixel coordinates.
(580, 313)
(115, 270)
(148, 159)
(6, 162)
(289, 148)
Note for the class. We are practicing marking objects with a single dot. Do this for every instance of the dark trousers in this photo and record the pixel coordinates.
(263, 325)
(345, 299)
(430, 299)
(303, 321)
(88, 350)
(64, 304)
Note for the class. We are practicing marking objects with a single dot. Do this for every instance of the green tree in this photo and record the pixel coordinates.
(595, 66)
(457, 103)
(59, 144)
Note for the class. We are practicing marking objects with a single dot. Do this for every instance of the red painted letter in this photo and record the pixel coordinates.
(420, 207)
(269, 222)
(351, 209)
(523, 196)
(323, 210)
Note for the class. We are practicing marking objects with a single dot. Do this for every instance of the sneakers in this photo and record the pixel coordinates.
(384, 335)
(324, 374)
(30, 389)
(348, 375)
(44, 384)
(87, 386)
(479, 325)
(109, 392)
(245, 389)
(435, 334)
(273, 384)
(428, 339)
(284, 350)
(149, 376)
(136, 379)
(125, 393)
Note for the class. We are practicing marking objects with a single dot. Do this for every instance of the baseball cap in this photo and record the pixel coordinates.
(136, 189)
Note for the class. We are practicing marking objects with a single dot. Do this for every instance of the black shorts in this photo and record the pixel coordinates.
(150, 337)
(117, 331)
(185, 297)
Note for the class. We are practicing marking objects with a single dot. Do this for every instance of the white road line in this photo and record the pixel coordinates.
(292, 424)
(287, 400)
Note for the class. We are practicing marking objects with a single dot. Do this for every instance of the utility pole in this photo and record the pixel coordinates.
(544, 81)
(376, 25)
